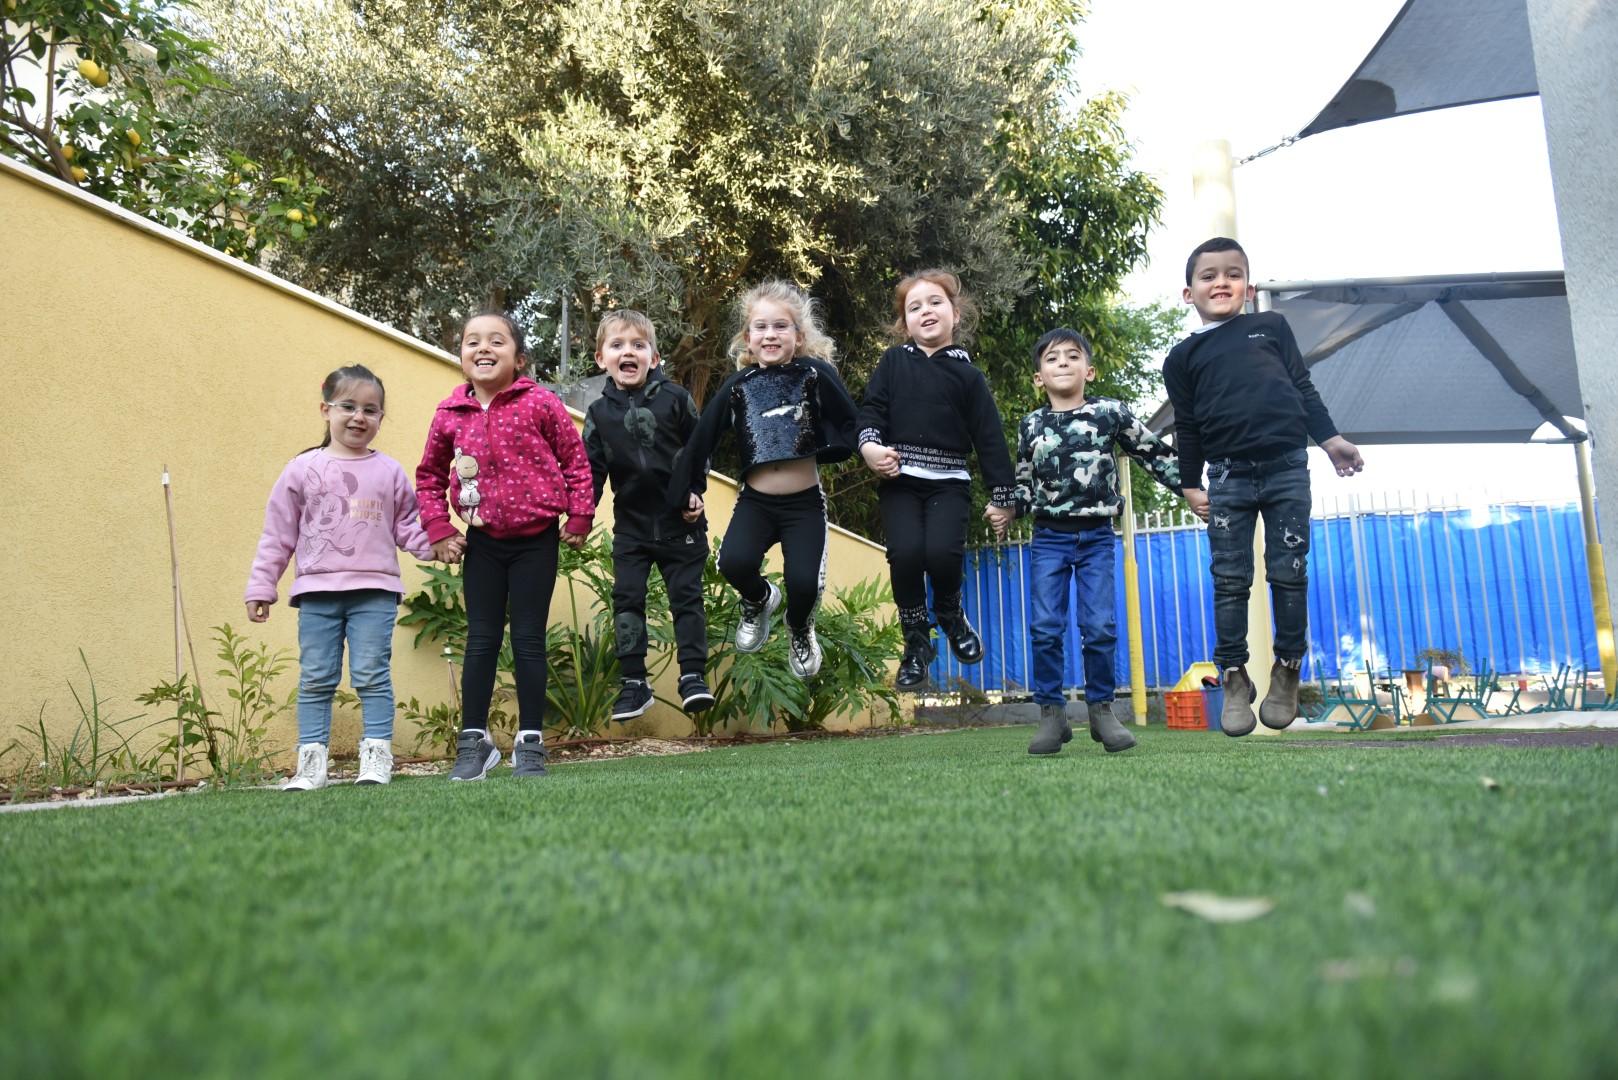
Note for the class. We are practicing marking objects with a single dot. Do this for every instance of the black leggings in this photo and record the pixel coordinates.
(798, 523)
(522, 571)
(924, 524)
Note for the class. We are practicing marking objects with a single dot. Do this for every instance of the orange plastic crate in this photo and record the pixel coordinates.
(1184, 710)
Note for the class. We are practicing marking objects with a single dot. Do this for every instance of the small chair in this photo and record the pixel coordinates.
(1443, 709)
(1334, 694)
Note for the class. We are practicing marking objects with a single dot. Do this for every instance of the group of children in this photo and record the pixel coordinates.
(504, 454)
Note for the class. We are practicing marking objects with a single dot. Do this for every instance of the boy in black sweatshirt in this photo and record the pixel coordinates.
(1244, 404)
(632, 434)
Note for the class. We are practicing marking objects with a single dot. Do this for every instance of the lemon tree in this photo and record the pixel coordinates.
(106, 96)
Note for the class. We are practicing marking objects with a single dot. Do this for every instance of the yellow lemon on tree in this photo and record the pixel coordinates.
(294, 215)
(89, 69)
(68, 151)
(312, 220)
(78, 174)
(134, 137)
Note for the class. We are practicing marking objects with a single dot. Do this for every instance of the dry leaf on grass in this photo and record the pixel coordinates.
(1220, 909)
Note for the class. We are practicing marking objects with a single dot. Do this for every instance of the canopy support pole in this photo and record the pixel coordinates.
(1598, 570)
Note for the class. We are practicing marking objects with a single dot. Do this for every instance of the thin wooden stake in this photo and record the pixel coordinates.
(179, 668)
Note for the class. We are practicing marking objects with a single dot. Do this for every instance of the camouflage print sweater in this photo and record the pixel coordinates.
(1066, 476)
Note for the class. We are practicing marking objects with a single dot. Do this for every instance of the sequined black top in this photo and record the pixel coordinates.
(779, 412)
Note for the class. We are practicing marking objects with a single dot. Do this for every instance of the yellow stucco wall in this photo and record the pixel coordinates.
(127, 349)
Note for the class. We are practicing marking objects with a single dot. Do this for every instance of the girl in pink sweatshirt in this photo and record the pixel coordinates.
(504, 452)
(344, 510)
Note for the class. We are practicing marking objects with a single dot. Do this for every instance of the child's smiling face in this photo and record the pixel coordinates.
(489, 355)
(353, 416)
(1064, 369)
(772, 336)
(1219, 287)
(626, 355)
(930, 315)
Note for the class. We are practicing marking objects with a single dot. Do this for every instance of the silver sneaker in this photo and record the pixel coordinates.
(376, 761)
(803, 652)
(754, 629)
(475, 755)
(528, 754)
(311, 772)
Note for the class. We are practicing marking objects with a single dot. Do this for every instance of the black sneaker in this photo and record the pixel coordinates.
(694, 694)
(528, 754)
(475, 755)
(634, 699)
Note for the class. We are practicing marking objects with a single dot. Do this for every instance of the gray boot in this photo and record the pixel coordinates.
(1237, 716)
(1048, 739)
(1280, 706)
(1106, 730)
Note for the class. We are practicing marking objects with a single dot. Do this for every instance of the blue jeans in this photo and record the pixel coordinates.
(364, 617)
(1057, 560)
(1238, 492)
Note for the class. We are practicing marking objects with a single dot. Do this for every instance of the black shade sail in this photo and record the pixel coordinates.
(1463, 358)
(1435, 54)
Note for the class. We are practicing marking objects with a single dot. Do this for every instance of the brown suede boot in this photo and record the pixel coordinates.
(1237, 717)
(1280, 706)
(1106, 730)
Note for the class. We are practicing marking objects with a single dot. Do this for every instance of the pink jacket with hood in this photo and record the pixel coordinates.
(531, 465)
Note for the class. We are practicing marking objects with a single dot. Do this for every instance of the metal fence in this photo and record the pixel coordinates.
(1505, 582)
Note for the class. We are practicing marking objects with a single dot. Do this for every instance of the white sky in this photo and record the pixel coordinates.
(1462, 190)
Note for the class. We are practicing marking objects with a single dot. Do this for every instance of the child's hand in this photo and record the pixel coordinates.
(1345, 456)
(1000, 519)
(693, 509)
(1197, 499)
(574, 540)
(449, 549)
(882, 460)
(258, 611)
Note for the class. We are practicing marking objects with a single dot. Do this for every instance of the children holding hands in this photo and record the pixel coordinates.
(790, 414)
(1244, 405)
(344, 511)
(927, 408)
(632, 434)
(503, 451)
(1068, 483)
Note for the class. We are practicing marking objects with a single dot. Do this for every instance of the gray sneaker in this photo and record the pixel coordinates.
(754, 629)
(803, 651)
(475, 755)
(528, 754)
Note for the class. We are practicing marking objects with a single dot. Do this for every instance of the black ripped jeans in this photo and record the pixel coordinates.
(1238, 493)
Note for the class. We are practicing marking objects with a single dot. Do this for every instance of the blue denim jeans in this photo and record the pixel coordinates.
(1058, 559)
(364, 618)
(1238, 493)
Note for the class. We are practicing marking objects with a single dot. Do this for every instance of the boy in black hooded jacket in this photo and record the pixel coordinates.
(632, 434)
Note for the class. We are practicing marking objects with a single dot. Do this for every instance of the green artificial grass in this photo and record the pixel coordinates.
(938, 905)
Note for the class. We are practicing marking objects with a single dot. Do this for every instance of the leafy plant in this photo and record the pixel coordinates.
(437, 727)
(97, 752)
(250, 670)
(1450, 658)
(192, 734)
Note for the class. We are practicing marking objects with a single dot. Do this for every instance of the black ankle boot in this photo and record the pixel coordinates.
(918, 657)
(963, 640)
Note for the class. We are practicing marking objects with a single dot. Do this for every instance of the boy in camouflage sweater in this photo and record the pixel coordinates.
(1067, 481)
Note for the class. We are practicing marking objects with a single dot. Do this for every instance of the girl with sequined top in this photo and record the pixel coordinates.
(503, 451)
(790, 413)
(926, 409)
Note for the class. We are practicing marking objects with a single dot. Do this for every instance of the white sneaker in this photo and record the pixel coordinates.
(311, 772)
(376, 761)
(803, 651)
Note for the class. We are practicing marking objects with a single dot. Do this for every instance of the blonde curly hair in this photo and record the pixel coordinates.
(805, 312)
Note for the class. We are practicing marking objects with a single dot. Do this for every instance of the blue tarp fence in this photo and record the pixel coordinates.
(1504, 582)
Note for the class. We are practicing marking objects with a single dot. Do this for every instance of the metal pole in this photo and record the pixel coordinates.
(1516, 586)
(1137, 646)
(1544, 586)
(1561, 588)
(1598, 569)
(1398, 587)
(1483, 586)
(1335, 562)
(1424, 525)
(1368, 647)
(1151, 601)
(1179, 620)
(561, 374)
